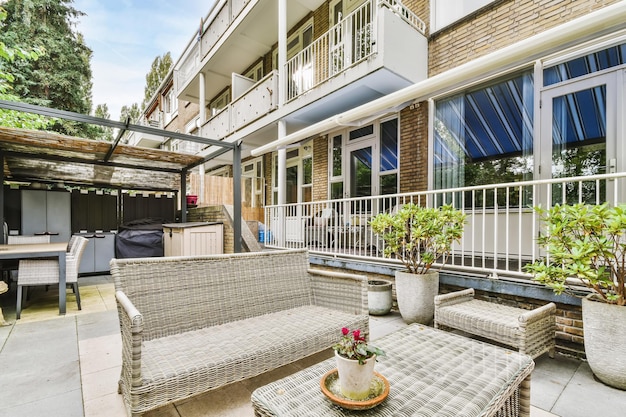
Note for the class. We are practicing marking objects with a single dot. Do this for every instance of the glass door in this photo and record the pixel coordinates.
(578, 137)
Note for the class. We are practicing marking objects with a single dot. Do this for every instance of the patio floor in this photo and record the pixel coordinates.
(68, 366)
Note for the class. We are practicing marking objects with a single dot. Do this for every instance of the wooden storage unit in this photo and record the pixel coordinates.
(196, 238)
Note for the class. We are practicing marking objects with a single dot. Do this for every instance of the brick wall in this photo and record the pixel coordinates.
(501, 24)
(414, 148)
(320, 168)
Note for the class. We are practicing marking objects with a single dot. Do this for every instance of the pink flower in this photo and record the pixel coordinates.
(345, 331)
(357, 334)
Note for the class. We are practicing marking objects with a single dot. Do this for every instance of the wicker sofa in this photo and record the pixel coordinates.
(192, 324)
(530, 331)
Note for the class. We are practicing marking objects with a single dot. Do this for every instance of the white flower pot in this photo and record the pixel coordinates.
(355, 379)
(416, 296)
(605, 340)
(379, 297)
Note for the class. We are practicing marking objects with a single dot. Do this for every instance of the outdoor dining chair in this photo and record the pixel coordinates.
(10, 266)
(34, 272)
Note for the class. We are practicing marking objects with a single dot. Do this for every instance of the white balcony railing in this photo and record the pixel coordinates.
(500, 231)
(253, 104)
(346, 44)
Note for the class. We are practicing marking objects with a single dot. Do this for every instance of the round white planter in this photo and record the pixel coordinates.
(355, 379)
(416, 296)
(379, 297)
(605, 337)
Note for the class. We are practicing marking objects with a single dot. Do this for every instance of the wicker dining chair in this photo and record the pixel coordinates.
(34, 272)
(9, 267)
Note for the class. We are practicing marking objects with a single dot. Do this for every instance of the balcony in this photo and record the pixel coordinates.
(375, 27)
(146, 140)
(356, 61)
(251, 105)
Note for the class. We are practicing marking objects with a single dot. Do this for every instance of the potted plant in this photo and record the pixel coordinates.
(355, 364)
(419, 237)
(379, 296)
(586, 247)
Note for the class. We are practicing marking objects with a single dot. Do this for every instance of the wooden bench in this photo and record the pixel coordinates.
(192, 324)
(530, 331)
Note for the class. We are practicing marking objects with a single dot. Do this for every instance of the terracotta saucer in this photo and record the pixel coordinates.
(380, 391)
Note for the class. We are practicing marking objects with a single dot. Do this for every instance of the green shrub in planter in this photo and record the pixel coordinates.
(584, 242)
(419, 236)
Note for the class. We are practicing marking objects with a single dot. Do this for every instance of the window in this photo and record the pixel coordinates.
(253, 183)
(219, 102)
(388, 177)
(299, 40)
(485, 136)
(584, 65)
(255, 73)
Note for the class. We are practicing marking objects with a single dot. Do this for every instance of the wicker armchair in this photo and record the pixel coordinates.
(33, 272)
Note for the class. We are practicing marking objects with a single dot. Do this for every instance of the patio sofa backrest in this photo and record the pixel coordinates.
(213, 289)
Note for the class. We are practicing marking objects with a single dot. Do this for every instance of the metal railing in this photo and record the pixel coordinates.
(500, 230)
(346, 44)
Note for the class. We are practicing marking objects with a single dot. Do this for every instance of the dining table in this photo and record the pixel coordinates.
(41, 250)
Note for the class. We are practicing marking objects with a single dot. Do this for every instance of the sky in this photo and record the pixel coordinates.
(127, 35)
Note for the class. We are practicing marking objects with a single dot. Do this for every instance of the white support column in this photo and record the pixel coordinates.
(282, 51)
(282, 185)
(202, 121)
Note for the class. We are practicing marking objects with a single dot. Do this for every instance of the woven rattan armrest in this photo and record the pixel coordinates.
(454, 297)
(131, 322)
(537, 314)
(340, 291)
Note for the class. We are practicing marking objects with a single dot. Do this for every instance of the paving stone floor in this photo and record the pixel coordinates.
(68, 366)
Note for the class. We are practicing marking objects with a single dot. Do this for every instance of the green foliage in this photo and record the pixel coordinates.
(158, 71)
(59, 79)
(419, 236)
(585, 242)
(11, 118)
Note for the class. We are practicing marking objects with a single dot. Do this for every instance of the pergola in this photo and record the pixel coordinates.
(33, 155)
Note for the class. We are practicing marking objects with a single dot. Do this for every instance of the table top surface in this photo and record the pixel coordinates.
(431, 372)
(27, 248)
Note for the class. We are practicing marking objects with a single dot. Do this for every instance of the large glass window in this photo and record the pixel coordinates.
(485, 136)
(388, 178)
(584, 65)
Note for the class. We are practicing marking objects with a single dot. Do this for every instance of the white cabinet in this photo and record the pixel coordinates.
(98, 253)
(47, 212)
(190, 239)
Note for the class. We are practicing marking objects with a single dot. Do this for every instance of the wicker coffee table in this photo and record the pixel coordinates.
(431, 373)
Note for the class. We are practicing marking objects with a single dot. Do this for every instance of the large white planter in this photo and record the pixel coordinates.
(605, 341)
(416, 296)
(355, 379)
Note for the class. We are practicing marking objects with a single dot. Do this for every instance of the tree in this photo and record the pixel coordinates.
(61, 79)
(132, 113)
(103, 133)
(158, 71)
(10, 118)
